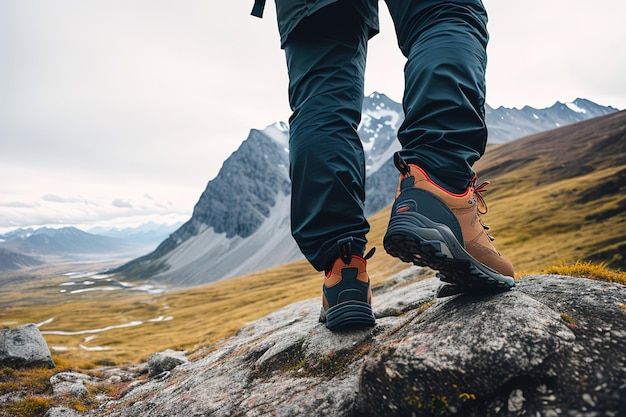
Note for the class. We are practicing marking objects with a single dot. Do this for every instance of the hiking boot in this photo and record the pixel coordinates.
(433, 227)
(346, 293)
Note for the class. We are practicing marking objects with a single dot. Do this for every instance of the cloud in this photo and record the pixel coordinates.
(152, 97)
(18, 204)
(119, 203)
(53, 198)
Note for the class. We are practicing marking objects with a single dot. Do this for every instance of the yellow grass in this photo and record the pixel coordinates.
(35, 388)
(537, 225)
(587, 269)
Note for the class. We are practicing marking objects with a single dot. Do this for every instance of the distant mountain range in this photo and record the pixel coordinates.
(148, 233)
(57, 242)
(33, 247)
(11, 261)
(241, 221)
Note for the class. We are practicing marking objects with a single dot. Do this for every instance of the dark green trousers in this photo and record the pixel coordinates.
(443, 131)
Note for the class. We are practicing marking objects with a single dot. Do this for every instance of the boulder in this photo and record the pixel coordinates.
(24, 346)
(165, 361)
(70, 384)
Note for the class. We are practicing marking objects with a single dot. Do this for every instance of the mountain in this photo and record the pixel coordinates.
(28, 247)
(147, 233)
(507, 124)
(67, 242)
(241, 221)
(11, 261)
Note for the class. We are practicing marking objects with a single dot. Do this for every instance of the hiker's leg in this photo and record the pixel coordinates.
(326, 61)
(444, 130)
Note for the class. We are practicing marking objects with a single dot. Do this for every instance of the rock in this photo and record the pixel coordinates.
(552, 346)
(462, 351)
(24, 346)
(70, 384)
(127, 373)
(62, 412)
(161, 362)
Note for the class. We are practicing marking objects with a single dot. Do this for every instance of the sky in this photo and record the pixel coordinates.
(116, 112)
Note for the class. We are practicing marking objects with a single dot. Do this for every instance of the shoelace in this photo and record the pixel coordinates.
(478, 190)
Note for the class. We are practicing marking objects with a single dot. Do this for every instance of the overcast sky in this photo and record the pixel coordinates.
(118, 111)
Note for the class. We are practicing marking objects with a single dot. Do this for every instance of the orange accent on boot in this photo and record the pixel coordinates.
(334, 275)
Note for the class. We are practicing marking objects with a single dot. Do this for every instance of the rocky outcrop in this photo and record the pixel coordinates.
(24, 347)
(552, 346)
(161, 362)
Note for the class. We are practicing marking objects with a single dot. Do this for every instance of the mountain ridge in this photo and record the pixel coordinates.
(233, 205)
(230, 213)
(565, 185)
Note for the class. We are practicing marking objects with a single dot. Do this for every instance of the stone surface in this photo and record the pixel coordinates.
(165, 361)
(70, 384)
(24, 346)
(62, 412)
(552, 346)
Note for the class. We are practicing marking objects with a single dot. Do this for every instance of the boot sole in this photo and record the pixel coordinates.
(349, 314)
(413, 237)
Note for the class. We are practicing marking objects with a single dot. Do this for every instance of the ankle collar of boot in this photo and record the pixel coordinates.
(427, 177)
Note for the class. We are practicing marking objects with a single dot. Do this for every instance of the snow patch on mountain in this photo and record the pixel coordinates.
(380, 120)
(279, 133)
(575, 108)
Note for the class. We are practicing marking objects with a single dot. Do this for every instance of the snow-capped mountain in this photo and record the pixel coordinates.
(507, 124)
(241, 221)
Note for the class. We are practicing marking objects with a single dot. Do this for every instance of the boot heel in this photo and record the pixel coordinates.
(352, 314)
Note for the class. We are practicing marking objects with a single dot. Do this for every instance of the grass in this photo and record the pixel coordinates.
(36, 390)
(587, 269)
(537, 225)
(29, 407)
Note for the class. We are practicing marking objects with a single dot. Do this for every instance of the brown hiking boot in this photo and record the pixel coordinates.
(346, 293)
(433, 227)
